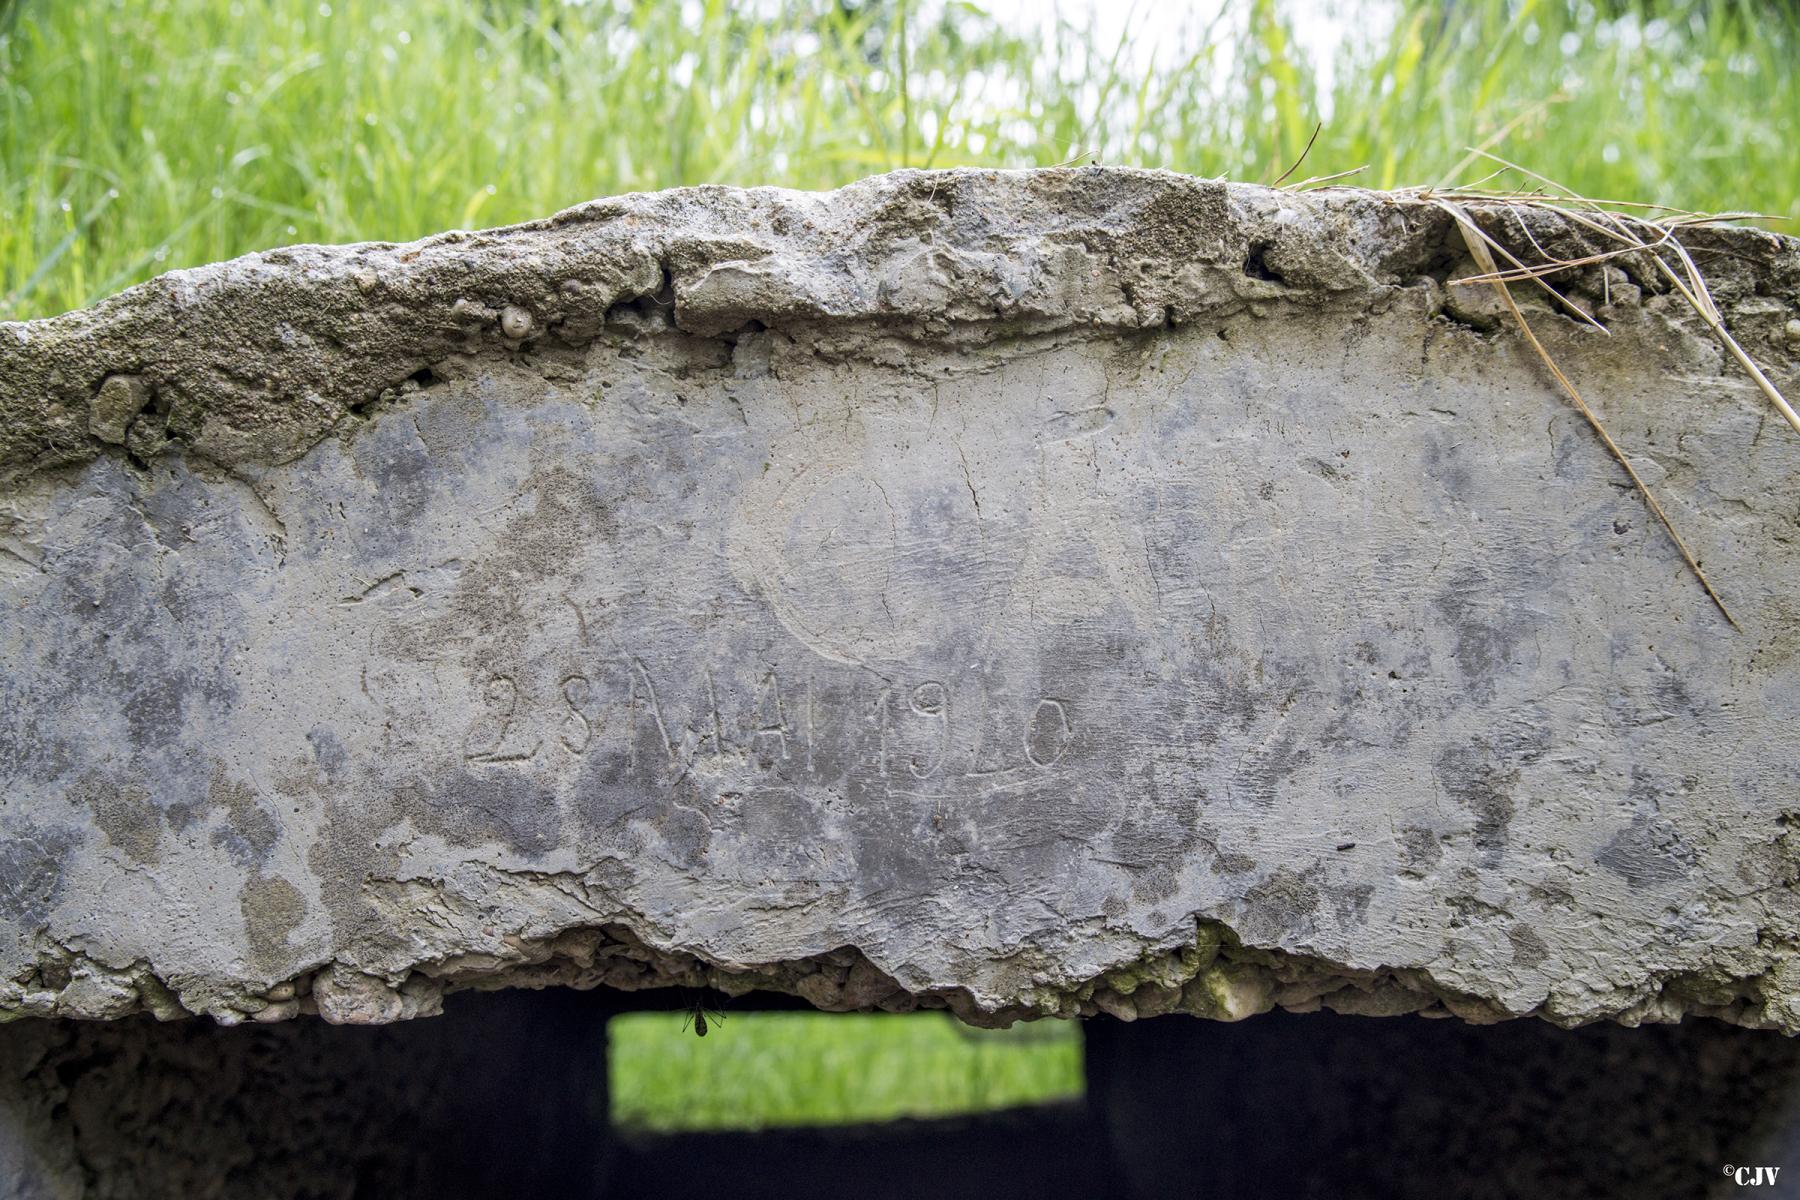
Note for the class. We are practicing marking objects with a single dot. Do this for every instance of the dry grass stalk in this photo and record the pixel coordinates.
(1597, 216)
(1481, 248)
(1649, 230)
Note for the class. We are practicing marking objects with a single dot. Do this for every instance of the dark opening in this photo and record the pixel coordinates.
(507, 1095)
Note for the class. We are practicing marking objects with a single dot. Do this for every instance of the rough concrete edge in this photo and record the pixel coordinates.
(1213, 975)
(254, 360)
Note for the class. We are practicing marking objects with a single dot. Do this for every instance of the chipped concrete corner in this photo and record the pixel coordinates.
(1034, 593)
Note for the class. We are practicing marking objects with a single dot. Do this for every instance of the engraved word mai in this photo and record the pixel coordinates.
(936, 728)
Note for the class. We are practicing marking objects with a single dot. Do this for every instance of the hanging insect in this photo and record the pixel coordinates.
(700, 1016)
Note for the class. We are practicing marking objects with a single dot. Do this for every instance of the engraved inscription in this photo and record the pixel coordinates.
(1048, 734)
(905, 732)
(773, 722)
(932, 701)
(641, 675)
(578, 731)
(495, 737)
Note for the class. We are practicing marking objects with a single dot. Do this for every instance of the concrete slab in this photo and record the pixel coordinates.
(1030, 593)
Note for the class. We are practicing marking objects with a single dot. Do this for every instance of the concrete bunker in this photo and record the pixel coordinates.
(1034, 595)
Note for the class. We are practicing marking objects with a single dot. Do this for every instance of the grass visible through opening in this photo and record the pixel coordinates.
(762, 1069)
(138, 137)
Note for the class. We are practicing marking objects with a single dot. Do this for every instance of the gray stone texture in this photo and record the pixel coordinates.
(1034, 593)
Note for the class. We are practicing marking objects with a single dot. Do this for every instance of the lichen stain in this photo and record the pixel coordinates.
(567, 526)
(475, 806)
(248, 832)
(1528, 949)
(1421, 850)
(31, 876)
(1650, 849)
(1350, 903)
(273, 909)
(124, 813)
(349, 850)
(1471, 776)
(1445, 463)
(1280, 909)
(1487, 635)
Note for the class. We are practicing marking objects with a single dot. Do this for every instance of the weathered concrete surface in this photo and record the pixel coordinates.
(1031, 593)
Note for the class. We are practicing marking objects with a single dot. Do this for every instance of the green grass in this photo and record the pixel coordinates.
(139, 136)
(763, 1069)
